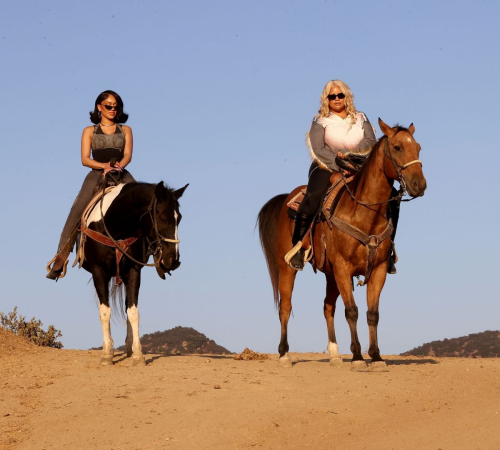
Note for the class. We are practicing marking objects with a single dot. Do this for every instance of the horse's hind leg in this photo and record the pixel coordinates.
(332, 294)
(101, 284)
(374, 289)
(132, 280)
(286, 282)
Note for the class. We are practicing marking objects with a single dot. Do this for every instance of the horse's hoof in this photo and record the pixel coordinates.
(106, 361)
(359, 366)
(378, 366)
(285, 362)
(336, 362)
(138, 361)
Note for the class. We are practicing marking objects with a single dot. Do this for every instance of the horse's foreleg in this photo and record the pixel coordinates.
(287, 279)
(332, 294)
(343, 279)
(374, 289)
(132, 281)
(129, 338)
(101, 284)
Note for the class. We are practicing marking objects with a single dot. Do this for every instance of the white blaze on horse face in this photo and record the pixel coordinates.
(95, 215)
(133, 318)
(176, 216)
(105, 316)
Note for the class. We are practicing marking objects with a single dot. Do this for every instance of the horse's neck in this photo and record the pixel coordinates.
(372, 187)
(128, 208)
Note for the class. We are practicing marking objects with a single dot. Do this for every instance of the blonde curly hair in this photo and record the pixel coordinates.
(324, 110)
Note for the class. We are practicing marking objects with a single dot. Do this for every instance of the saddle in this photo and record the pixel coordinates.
(325, 215)
(349, 166)
(87, 232)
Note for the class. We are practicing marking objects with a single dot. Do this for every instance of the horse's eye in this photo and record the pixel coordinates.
(397, 148)
(163, 221)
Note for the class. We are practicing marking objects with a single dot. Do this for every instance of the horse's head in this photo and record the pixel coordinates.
(402, 163)
(164, 231)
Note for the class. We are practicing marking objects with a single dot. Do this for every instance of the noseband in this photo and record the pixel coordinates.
(399, 168)
(155, 245)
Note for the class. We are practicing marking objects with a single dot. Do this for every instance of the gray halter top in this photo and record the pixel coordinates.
(107, 146)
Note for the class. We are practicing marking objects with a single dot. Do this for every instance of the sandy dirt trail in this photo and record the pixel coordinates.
(62, 399)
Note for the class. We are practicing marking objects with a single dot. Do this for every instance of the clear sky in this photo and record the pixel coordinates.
(220, 95)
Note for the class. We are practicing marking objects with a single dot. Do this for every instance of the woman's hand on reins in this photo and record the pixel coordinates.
(108, 168)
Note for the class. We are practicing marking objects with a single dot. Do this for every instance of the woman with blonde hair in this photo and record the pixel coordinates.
(338, 128)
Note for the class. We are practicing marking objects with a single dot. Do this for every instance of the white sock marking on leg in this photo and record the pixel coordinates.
(105, 316)
(133, 317)
(333, 350)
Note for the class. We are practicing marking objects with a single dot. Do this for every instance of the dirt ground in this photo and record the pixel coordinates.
(63, 399)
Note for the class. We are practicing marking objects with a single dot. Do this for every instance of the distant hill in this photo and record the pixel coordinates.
(478, 345)
(179, 341)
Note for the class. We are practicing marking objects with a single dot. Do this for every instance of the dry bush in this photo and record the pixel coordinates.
(31, 330)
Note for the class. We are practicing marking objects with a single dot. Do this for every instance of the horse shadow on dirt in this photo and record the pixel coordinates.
(151, 357)
(390, 362)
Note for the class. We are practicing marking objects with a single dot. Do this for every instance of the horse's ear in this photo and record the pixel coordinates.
(160, 190)
(178, 193)
(386, 129)
(411, 128)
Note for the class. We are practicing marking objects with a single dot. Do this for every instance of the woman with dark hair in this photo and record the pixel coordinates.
(102, 142)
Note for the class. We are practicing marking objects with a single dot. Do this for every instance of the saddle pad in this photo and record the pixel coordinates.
(86, 219)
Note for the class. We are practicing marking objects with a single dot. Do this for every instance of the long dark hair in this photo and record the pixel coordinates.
(120, 117)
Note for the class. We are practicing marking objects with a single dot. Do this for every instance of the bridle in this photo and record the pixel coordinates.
(154, 246)
(399, 169)
(399, 172)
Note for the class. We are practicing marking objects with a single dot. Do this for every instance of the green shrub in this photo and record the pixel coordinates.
(31, 330)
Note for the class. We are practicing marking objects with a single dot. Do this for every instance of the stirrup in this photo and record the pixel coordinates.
(296, 249)
(54, 273)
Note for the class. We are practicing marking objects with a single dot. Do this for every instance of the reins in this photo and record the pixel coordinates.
(402, 183)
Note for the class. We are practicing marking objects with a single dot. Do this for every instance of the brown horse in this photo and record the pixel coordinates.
(338, 241)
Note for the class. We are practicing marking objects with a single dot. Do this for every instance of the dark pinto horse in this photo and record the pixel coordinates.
(340, 247)
(145, 218)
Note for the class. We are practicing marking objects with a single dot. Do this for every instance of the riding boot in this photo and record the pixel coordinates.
(393, 214)
(302, 224)
(60, 261)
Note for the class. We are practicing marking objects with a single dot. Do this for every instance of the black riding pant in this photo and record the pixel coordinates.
(318, 184)
(82, 200)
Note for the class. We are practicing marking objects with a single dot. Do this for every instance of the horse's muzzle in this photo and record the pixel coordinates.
(170, 264)
(416, 187)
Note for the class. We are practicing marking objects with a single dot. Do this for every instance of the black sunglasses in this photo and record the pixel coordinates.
(110, 107)
(334, 96)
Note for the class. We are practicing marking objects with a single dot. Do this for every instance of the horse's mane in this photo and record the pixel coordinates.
(365, 169)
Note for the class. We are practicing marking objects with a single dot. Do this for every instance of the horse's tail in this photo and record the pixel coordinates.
(116, 297)
(267, 220)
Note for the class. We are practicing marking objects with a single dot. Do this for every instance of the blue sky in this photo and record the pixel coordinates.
(220, 95)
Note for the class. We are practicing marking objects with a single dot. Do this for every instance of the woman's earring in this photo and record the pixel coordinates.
(99, 114)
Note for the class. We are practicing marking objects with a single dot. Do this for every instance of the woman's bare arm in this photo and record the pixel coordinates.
(129, 145)
(87, 161)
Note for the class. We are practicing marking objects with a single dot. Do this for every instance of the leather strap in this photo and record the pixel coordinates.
(371, 242)
(124, 244)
